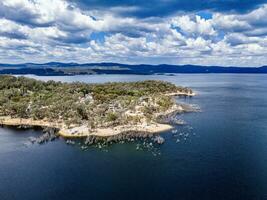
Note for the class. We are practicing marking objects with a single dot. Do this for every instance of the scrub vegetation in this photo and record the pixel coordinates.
(96, 105)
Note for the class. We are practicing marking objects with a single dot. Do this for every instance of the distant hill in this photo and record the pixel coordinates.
(57, 68)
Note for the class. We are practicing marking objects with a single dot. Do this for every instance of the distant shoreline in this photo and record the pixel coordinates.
(71, 69)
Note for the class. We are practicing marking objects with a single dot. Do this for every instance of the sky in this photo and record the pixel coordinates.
(201, 32)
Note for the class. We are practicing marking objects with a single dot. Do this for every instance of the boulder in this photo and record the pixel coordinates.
(159, 140)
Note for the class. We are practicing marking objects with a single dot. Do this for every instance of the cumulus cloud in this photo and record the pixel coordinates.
(10, 29)
(60, 30)
(195, 26)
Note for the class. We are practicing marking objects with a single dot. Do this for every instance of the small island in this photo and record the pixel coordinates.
(109, 110)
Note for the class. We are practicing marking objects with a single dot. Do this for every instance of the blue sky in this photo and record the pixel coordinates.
(210, 32)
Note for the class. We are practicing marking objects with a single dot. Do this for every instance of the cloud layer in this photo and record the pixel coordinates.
(165, 31)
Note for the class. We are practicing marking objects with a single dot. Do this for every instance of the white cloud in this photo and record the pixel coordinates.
(195, 26)
(33, 30)
(229, 23)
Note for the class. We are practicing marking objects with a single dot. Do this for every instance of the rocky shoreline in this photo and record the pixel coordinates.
(52, 133)
(49, 134)
(52, 130)
(130, 136)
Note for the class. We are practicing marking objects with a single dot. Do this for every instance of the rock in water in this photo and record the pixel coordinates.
(32, 139)
(49, 134)
(159, 140)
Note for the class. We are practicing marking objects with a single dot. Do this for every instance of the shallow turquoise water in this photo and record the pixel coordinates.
(223, 157)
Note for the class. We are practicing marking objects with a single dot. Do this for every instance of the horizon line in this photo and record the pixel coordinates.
(127, 64)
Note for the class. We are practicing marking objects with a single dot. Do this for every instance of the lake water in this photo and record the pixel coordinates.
(224, 155)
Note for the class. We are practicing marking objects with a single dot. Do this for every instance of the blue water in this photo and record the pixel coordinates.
(223, 157)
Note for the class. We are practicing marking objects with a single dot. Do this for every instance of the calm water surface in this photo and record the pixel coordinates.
(224, 156)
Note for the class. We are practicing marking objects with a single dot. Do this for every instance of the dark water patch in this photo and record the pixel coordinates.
(223, 157)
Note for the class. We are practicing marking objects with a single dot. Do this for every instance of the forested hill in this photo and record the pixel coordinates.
(56, 68)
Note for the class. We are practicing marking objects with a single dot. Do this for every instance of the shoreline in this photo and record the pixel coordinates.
(187, 94)
(154, 128)
(82, 131)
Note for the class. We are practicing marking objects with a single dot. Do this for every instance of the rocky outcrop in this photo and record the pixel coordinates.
(159, 140)
(49, 134)
(130, 136)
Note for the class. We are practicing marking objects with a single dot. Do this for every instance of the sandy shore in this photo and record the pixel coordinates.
(83, 131)
(107, 132)
(8, 121)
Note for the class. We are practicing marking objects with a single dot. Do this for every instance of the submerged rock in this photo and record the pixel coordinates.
(70, 142)
(174, 131)
(24, 126)
(159, 140)
(32, 139)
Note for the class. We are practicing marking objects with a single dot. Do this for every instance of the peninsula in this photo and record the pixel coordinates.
(83, 110)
